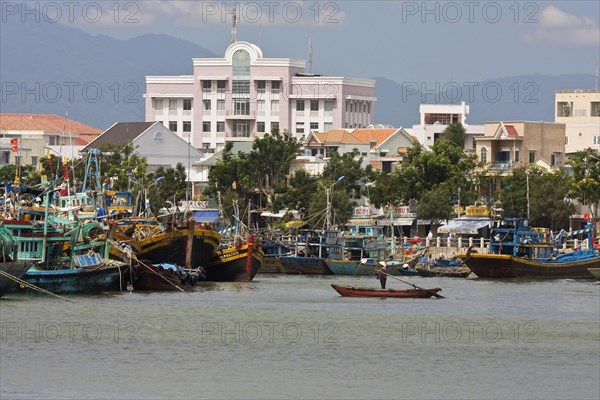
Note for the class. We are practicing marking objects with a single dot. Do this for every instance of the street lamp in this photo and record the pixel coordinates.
(145, 190)
(327, 193)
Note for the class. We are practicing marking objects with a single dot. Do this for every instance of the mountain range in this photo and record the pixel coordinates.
(99, 80)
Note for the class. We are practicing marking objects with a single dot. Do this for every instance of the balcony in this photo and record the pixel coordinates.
(233, 114)
(504, 166)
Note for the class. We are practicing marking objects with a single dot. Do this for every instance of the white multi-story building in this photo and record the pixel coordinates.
(244, 95)
(435, 118)
(579, 110)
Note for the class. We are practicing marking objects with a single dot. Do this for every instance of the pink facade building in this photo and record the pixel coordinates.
(243, 95)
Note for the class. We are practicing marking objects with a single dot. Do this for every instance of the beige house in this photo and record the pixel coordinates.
(579, 110)
(510, 144)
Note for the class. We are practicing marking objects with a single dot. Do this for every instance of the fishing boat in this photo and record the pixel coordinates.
(308, 256)
(164, 277)
(355, 254)
(447, 272)
(237, 263)
(350, 291)
(536, 255)
(10, 273)
(187, 244)
(595, 272)
(271, 264)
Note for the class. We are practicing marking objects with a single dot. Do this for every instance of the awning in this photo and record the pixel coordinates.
(208, 216)
(280, 214)
(362, 222)
(465, 226)
(397, 221)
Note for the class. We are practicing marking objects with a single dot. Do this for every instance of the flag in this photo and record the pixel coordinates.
(66, 174)
(234, 185)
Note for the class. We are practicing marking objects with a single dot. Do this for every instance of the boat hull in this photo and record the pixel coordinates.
(304, 266)
(156, 278)
(76, 280)
(235, 264)
(339, 267)
(526, 268)
(595, 272)
(489, 265)
(271, 265)
(16, 270)
(349, 291)
(446, 272)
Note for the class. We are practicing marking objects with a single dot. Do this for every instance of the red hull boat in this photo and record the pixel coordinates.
(349, 291)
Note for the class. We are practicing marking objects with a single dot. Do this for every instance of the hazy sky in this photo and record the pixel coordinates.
(407, 41)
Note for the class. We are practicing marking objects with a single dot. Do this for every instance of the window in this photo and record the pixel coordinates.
(564, 109)
(552, 159)
(220, 105)
(314, 126)
(206, 86)
(314, 105)
(159, 104)
(260, 86)
(531, 157)
(172, 104)
(187, 126)
(474, 144)
(596, 140)
(260, 127)
(275, 86)
(274, 105)
(595, 109)
(187, 104)
(221, 85)
(328, 105)
(206, 127)
(483, 155)
(158, 136)
(260, 105)
(173, 126)
(516, 155)
(206, 105)
(274, 126)
(34, 161)
(220, 126)
(299, 105)
(241, 106)
(327, 126)
(299, 127)
(566, 140)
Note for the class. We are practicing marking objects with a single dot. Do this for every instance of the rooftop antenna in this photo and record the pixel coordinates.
(234, 26)
(310, 54)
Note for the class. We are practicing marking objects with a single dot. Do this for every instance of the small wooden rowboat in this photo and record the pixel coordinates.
(349, 291)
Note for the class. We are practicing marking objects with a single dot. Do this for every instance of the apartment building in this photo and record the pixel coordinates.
(579, 110)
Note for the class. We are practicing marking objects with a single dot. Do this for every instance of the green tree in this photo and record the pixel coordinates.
(586, 180)
(436, 205)
(456, 134)
(549, 203)
(172, 187)
(297, 194)
(342, 206)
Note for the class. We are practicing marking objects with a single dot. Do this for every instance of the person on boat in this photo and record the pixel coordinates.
(382, 274)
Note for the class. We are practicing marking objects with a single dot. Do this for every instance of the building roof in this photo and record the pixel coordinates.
(243, 147)
(374, 137)
(121, 133)
(511, 131)
(335, 136)
(45, 122)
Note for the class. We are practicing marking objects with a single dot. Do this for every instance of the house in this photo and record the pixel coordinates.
(387, 146)
(579, 110)
(38, 134)
(160, 147)
(435, 118)
(510, 144)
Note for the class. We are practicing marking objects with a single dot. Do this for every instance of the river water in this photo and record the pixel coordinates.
(295, 337)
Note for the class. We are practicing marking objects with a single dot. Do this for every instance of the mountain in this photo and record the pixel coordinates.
(43, 63)
(525, 97)
(103, 76)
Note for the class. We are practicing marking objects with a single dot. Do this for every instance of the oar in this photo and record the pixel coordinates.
(439, 296)
(32, 286)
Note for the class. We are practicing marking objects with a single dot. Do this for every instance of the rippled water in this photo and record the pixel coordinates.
(294, 337)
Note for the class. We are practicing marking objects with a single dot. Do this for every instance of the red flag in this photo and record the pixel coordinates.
(234, 185)
(66, 174)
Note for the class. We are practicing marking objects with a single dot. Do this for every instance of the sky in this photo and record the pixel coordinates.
(405, 41)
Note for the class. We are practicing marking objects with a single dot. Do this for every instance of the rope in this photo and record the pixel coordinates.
(32, 286)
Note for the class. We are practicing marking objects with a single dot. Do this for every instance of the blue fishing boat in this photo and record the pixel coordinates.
(356, 254)
(10, 273)
(308, 255)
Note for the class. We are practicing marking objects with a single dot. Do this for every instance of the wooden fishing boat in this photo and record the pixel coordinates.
(447, 272)
(186, 244)
(574, 265)
(164, 277)
(350, 291)
(11, 271)
(296, 265)
(595, 272)
(238, 263)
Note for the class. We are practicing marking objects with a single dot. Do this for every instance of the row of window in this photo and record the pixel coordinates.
(240, 86)
(173, 104)
(565, 109)
(314, 105)
(358, 107)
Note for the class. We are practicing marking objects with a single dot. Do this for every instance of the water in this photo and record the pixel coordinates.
(294, 337)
